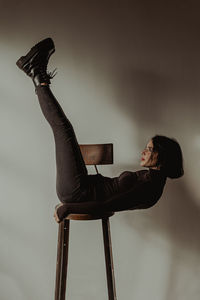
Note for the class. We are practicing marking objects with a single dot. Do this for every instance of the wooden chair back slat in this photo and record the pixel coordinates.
(97, 154)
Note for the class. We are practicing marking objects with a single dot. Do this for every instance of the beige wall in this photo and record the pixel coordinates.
(126, 71)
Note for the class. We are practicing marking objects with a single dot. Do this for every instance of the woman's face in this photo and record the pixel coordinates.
(149, 157)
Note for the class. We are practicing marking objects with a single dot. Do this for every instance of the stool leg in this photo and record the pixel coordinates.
(109, 259)
(62, 260)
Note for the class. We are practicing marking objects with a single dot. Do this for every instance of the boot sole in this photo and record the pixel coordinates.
(46, 45)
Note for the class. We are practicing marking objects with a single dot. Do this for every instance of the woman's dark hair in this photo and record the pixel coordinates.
(170, 156)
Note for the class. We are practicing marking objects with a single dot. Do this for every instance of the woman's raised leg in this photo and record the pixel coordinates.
(71, 169)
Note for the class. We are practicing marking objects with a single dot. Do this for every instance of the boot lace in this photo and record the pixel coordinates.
(47, 75)
(52, 74)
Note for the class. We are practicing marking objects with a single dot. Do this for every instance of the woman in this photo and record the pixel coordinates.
(83, 193)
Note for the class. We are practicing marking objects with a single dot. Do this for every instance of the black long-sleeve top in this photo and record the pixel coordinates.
(131, 190)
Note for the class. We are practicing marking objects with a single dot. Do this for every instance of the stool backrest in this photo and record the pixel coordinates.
(97, 154)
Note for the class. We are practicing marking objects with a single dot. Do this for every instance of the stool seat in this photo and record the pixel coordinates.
(87, 217)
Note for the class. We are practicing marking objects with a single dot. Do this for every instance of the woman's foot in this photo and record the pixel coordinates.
(56, 213)
(34, 63)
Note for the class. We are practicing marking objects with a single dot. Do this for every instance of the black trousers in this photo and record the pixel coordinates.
(71, 169)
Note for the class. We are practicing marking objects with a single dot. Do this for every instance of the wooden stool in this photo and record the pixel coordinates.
(93, 154)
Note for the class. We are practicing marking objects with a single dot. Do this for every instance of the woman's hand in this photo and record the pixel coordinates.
(56, 213)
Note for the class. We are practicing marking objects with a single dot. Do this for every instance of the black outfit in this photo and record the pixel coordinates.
(83, 193)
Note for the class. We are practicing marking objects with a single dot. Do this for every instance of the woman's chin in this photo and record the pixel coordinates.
(142, 164)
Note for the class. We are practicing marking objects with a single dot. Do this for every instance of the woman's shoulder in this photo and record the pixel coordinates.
(132, 175)
(151, 175)
(129, 179)
(142, 175)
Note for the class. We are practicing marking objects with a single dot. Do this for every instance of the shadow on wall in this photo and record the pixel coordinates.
(175, 218)
(148, 99)
(144, 93)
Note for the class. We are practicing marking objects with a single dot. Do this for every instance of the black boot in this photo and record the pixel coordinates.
(34, 63)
